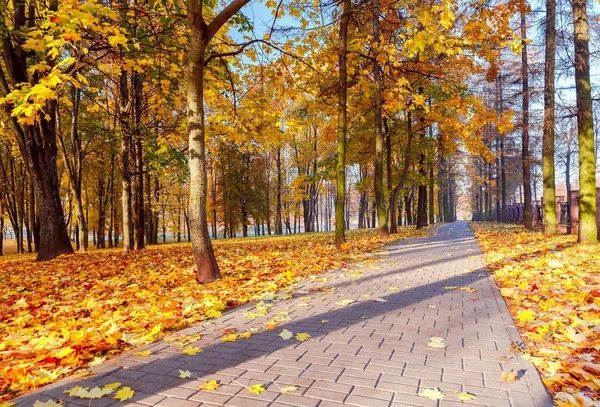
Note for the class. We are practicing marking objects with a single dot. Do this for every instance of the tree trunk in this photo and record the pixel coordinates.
(342, 128)
(126, 151)
(377, 113)
(400, 186)
(527, 215)
(37, 143)
(548, 171)
(206, 264)
(585, 126)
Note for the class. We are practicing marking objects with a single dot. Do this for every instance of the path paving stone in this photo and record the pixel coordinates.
(366, 353)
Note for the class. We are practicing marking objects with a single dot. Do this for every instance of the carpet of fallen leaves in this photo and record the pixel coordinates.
(552, 287)
(60, 316)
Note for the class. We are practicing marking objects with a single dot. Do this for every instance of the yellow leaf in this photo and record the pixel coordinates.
(437, 342)
(288, 389)
(116, 40)
(256, 388)
(124, 394)
(511, 376)
(191, 350)
(6, 404)
(112, 385)
(465, 396)
(229, 338)
(209, 386)
(246, 334)
(144, 353)
(394, 288)
(61, 353)
(303, 336)
(526, 315)
(432, 394)
(345, 302)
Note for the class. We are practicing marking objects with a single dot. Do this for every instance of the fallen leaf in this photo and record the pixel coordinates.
(256, 388)
(465, 396)
(184, 374)
(432, 394)
(191, 350)
(124, 394)
(288, 389)
(285, 334)
(210, 385)
(511, 376)
(437, 342)
(303, 336)
(144, 353)
(229, 338)
(345, 302)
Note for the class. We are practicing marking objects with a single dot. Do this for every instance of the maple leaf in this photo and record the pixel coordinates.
(61, 353)
(432, 394)
(184, 374)
(144, 353)
(526, 315)
(246, 334)
(256, 388)
(394, 288)
(465, 396)
(345, 302)
(303, 336)
(73, 391)
(191, 350)
(229, 338)
(288, 389)
(124, 394)
(6, 404)
(285, 334)
(209, 386)
(511, 376)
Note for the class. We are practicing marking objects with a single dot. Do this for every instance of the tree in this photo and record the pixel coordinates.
(548, 170)
(585, 126)
(377, 113)
(201, 34)
(342, 128)
(525, 156)
(35, 133)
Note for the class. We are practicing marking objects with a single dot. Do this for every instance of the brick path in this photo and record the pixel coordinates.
(367, 353)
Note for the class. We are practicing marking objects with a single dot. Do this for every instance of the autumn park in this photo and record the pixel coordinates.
(299, 203)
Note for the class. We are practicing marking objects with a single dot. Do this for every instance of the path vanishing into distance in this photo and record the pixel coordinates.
(371, 345)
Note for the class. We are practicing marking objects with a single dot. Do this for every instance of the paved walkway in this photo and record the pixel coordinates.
(367, 353)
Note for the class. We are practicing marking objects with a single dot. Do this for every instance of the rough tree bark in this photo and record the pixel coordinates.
(527, 215)
(201, 34)
(377, 113)
(548, 171)
(585, 127)
(37, 143)
(342, 128)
